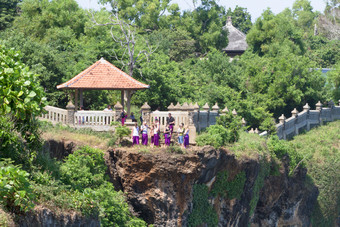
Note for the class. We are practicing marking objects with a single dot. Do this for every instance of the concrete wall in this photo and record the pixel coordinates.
(306, 120)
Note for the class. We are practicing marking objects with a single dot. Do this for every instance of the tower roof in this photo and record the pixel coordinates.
(102, 75)
(237, 39)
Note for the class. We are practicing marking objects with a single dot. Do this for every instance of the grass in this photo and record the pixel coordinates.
(321, 150)
(80, 137)
(6, 220)
(249, 146)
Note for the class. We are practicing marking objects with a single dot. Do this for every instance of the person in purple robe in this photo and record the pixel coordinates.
(167, 136)
(156, 133)
(123, 116)
(186, 137)
(144, 129)
(152, 134)
(171, 122)
(135, 135)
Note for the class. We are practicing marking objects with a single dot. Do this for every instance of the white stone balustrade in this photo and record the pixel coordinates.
(55, 115)
(96, 120)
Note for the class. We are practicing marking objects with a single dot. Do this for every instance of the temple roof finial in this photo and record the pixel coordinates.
(229, 21)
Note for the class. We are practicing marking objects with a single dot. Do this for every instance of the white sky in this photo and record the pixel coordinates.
(254, 7)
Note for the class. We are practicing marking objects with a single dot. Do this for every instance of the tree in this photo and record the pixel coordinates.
(272, 34)
(145, 14)
(304, 15)
(21, 101)
(205, 26)
(329, 23)
(241, 18)
(8, 11)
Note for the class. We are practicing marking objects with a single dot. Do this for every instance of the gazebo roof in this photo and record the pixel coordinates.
(102, 75)
(237, 39)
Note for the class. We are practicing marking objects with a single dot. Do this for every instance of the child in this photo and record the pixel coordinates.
(156, 133)
(180, 133)
(135, 135)
(167, 135)
(186, 137)
(144, 129)
(152, 133)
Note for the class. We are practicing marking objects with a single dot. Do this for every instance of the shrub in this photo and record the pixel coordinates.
(279, 148)
(15, 189)
(113, 209)
(84, 168)
(120, 131)
(225, 131)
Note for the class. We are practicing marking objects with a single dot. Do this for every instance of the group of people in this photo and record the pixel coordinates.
(154, 133)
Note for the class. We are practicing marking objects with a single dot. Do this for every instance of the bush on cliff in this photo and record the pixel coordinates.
(84, 186)
(225, 131)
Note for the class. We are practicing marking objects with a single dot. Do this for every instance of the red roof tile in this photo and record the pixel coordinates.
(103, 75)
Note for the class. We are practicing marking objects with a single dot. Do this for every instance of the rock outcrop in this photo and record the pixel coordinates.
(159, 187)
(42, 216)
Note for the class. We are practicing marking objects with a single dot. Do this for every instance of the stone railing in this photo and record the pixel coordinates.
(180, 117)
(306, 120)
(96, 120)
(55, 115)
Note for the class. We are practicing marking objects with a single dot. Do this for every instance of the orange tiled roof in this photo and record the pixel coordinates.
(103, 75)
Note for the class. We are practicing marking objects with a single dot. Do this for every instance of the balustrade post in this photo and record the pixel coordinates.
(70, 113)
(146, 111)
(207, 108)
(197, 110)
(282, 120)
(319, 108)
(295, 115)
(118, 111)
(307, 108)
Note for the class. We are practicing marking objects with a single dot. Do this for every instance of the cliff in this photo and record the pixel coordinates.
(213, 187)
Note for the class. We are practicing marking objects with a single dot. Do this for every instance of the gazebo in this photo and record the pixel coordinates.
(237, 40)
(102, 75)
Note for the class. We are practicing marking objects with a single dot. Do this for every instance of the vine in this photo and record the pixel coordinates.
(233, 188)
(264, 171)
(202, 211)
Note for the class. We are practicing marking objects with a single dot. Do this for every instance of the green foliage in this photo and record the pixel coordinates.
(320, 148)
(16, 193)
(334, 80)
(241, 19)
(202, 211)
(8, 11)
(120, 131)
(20, 93)
(225, 131)
(21, 100)
(233, 188)
(114, 210)
(259, 182)
(279, 148)
(80, 183)
(84, 168)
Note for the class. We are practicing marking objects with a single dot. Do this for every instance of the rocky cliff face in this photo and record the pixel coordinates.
(160, 187)
(42, 216)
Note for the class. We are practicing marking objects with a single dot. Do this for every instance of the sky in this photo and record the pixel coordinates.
(254, 7)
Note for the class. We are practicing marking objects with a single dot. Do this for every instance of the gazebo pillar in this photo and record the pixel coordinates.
(76, 99)
(122, 98)
(128, 101)
(81, 98)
